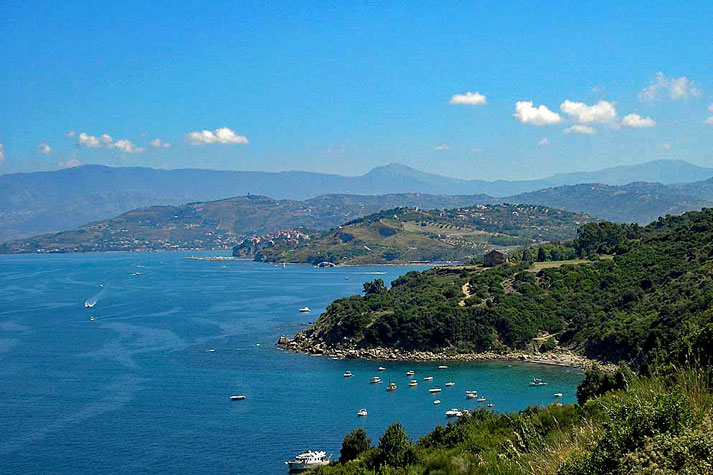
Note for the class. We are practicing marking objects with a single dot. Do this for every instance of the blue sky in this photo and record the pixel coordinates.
(339, 88)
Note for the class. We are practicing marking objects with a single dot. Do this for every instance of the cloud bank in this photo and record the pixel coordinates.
(222, 135)
(526, 113)
(635, 120)
(671, 88)
(600, 113)
(468, 99)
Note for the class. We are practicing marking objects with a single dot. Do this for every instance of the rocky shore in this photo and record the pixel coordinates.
(303, 344)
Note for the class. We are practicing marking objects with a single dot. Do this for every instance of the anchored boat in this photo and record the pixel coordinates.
(308, 460)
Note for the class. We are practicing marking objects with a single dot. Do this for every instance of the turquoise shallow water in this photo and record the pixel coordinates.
(136, 390)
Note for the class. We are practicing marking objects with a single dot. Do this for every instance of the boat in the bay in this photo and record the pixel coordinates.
(471, 394)
(481, 399)
(454, 413)
(375, 380)
(409, 373)
(348, 374)
(381, 368)
(450, 383)
(436, 402)
(308, 460)
(413, 383)
(537, 382)
(490, 404)
(391, 386)
(428, 378)
(362, 413)
(558, 394)
(305, 310)
(443, 367)
(434, 390)
(91, 319)
(238, 397)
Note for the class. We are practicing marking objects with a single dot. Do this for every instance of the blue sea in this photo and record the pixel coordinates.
(136, 390)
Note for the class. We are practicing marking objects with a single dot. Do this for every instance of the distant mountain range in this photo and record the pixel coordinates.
(34, 203)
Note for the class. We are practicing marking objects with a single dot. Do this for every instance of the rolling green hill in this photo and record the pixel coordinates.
(406, 235)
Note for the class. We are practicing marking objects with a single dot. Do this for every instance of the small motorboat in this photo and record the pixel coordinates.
(91, 319)
(481, 399)
(305, 310)
(428, 378)
(89, 304)
(471, 394)
(375, 380)
(413, 383)
(409, 373)
(490, 404)
(443, 367)
(308, 460)
(434, 390)
(237, 397)
(558, 394)
(348, 374)
(454, 413)
(362, 413)
(391, 386)
(537, 382)
(436, 402)
(450, 383)
(381, 368)
(210, 351)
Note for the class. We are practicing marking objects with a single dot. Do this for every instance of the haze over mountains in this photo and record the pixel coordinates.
(34, 203)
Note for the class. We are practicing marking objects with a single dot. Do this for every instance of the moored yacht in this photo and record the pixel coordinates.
(434, 390)
(537, 382)
(471, 394)
(348, 374)
(450, 383)
(375, 380)
(237, 397)
(362, 413)
(308, 460)
(305, 310)
(391, 386)
(409, 373)
(428, 378)
(381, 368)
(481, 399)
(413, 383)
(454, 413)
(443, 367)
(436, 402)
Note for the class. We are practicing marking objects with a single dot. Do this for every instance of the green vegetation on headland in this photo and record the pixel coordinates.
(651, 300)
(654, 424)
(406, 235)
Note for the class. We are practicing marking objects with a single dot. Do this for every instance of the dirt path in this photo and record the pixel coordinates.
(466, 292)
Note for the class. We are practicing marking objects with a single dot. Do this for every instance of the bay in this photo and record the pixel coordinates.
(137, 388)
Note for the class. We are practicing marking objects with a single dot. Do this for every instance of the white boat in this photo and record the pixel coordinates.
(537, 382)
(471, 394)
(210, 351)
(413, 383)
(428, 378)
(88, 304)
(409, 373)
(391, 386)
(237, 397)
(490, 404)
(436, 402)
(558, 394)
(454, 413)
(450, 383)
(91, 319)
(481, 399)
(381, 368)
(434, 390)
(443, 367)
(305, 310)
(362, 413)
(348, 374)
(308, 460)
(375, 380)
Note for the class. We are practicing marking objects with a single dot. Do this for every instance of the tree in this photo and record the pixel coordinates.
(354, 444)
(541, 254)
(376, 287)
(396, 447)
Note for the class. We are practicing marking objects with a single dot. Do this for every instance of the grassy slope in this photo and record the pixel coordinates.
(407, 235)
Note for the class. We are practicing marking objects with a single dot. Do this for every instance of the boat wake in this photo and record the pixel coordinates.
(92, 301)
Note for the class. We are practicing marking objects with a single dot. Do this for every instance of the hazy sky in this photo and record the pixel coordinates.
(474, 90)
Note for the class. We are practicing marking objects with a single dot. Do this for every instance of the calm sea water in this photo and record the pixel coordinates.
(136, 390)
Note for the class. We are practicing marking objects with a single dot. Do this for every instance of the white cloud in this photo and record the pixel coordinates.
(158, 143)
(580, 129)
(665, 146)
(71, 133)
(127, 146)
(442, 147)
(544, 142)
(673, 88)
(73, 162)
(222, 135)
(106, 139)
(44, 148)
(89, 141)
(2, 153)
(527, 114)
(600, 113)
(635, 120)
(468, 99)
